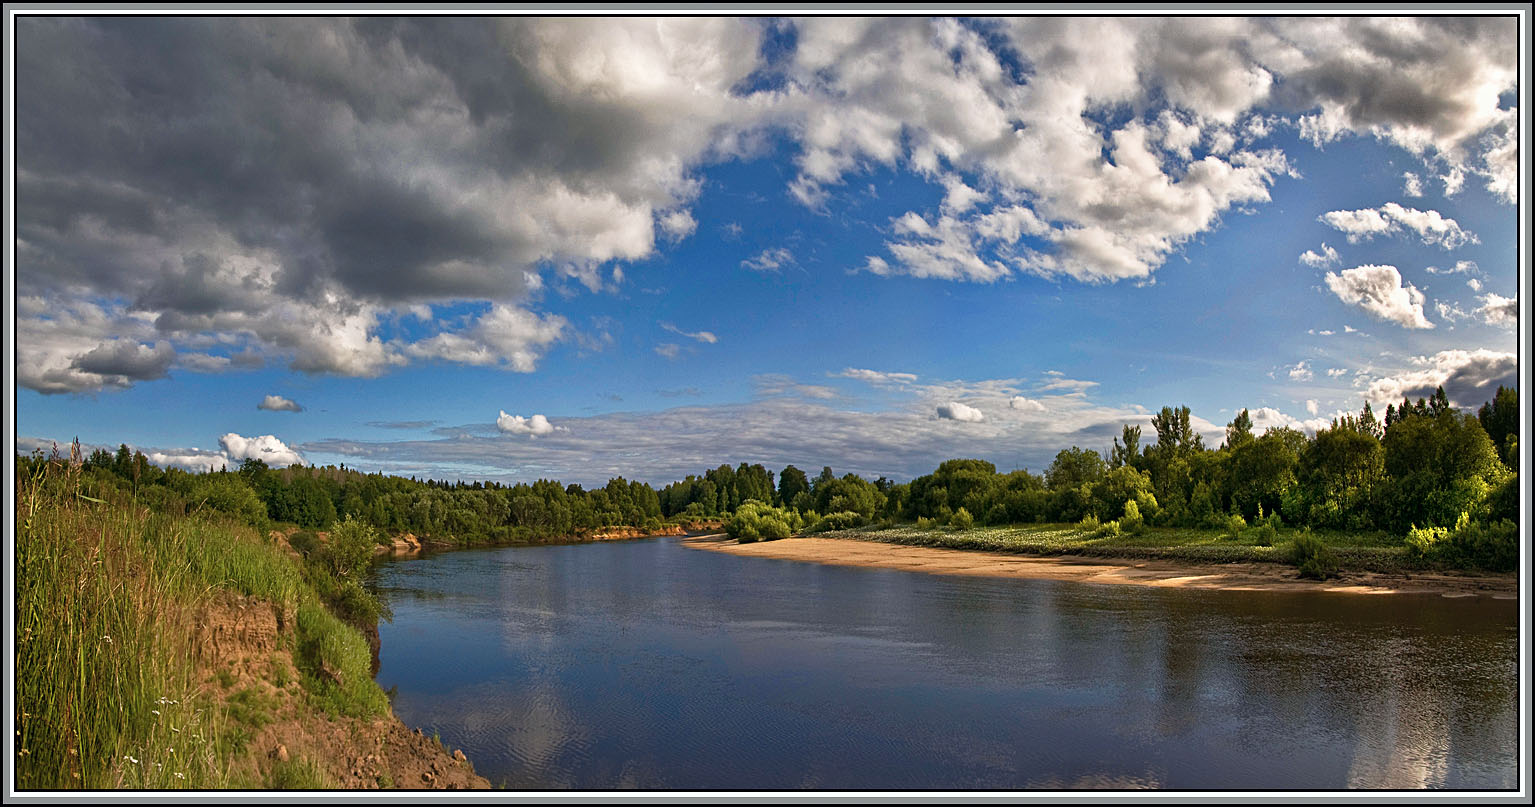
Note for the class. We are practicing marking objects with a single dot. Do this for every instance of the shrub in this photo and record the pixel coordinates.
(1233, 526)
(350, 548)
(1132, 522)
(925, 523)
(1108, 530)
(1313, 557)
(844, 520)
(962, 520)
(755, 521)
(1494, 547)
(303, 542)
(1265, 534)
(1089, 524)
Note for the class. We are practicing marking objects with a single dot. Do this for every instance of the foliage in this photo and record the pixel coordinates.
(1312, 557)
(756, 521)
(962, 520)
(1494, 547)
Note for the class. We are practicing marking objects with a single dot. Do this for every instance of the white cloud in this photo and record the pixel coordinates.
(1473, 284)
(678, 224)
(1431, 227)
(769, 260)
(1023, 404)
(1301, 371)
(506, 336)
(1411, 184)
(1381, 291)
(533, 426)
(266, 448)
(953, 410)
(1327, 257)
(669, 350)
(877, 377)
(706, 337)
(1460, 267)
(277, 403)
(1057, 381)
(1498, 310)
(1336, 372)
(1469, 377)
(1311, 407)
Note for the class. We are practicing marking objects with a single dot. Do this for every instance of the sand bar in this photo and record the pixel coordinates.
(1110, 571)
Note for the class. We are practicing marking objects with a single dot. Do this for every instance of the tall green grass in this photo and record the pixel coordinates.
(108, 690)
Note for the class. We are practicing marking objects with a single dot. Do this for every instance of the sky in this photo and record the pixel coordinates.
(578, 248)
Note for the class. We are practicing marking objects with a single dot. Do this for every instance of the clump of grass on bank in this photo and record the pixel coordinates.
(108, 690)
(1264, 543)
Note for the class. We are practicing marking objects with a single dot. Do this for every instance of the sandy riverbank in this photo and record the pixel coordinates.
(1229, 577)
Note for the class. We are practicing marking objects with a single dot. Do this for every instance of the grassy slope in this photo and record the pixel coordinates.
(1354, 551)
(111, 689)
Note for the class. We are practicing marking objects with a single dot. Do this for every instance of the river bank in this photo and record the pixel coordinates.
(1110, 571)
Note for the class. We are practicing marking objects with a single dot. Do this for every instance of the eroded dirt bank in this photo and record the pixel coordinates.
(245, 646)
(1230, 577)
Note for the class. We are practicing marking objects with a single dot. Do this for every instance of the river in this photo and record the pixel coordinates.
(648, 664)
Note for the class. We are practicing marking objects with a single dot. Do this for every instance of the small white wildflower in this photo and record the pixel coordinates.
(154, 711)
(130, 759)
(107, 639)
(179, 776)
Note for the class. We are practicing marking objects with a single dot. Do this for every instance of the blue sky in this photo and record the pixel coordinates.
(583, 248)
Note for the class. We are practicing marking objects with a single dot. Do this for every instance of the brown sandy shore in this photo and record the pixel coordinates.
(1166, 574)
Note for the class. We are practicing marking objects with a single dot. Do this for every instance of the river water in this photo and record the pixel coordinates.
(649, 664)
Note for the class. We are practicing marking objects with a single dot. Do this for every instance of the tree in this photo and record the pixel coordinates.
(1074, 467)
(1500, 419)
(1128, 453)
(1239, 431)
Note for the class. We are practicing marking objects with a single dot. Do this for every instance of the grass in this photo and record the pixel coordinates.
(108, 688)
(1376, 552)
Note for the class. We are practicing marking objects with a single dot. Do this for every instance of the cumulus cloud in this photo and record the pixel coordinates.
(533, 426)
(953, 410)
(1320, 260)
(505, 336)
(1336, 372)
(1391, 218)
(1412, 184)
(769, 260)
(1497, 310)
(1469, 378)
(678, 224)
(1301, 371)
(266, 448)
(1023, 404)
(277, 403)
(1381, 291)
(290, 184)
(707, 337)
(1311, 407)
(1111, 198)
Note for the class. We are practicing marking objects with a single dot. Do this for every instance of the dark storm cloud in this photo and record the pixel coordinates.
(128, 359)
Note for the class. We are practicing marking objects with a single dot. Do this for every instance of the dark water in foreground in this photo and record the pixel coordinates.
(648, 664)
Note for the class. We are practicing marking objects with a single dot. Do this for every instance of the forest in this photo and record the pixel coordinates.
(1425, 466)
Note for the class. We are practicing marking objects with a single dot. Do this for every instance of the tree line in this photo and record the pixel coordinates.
(1424, 465)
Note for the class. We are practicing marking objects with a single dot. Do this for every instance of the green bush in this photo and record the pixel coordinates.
(1233, 526)
(1089, 524)
(304, 542)
(1265, 534)
(925, 523)
(350, 548)
(844, 520)
(962, 520)
(1132, 522)
(755, 521)
(1494, 547)
(1313, 557)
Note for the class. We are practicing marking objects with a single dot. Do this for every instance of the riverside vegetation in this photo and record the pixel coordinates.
(160, 651)
(117, 560)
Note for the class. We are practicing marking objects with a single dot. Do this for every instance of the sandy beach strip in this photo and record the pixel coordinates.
(1109, 571)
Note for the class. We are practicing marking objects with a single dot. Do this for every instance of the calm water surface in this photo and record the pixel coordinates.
(648, 664)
